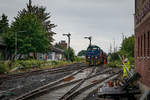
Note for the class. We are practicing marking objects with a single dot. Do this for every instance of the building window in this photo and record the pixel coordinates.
(143, 1)
(144, 45)
(141, 45)
(148, 53)
(135, 5)
(138, 46)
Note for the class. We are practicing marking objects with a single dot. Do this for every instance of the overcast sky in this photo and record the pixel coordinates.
(104, 20)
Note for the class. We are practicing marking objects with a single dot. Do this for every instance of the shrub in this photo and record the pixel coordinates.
(54, 62)
(3, 68)
(116, 63)
(78, 59)
(30, 64)
(131, 59)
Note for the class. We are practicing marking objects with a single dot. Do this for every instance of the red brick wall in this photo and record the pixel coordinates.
(142, 51)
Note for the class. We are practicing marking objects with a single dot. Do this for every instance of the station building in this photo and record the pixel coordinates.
(142, 42)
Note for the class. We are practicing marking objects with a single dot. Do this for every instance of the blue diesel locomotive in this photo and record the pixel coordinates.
(95, 55)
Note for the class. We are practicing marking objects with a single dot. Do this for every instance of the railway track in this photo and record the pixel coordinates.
(44, 88)
(65, 88)
(85, 90)
(89, 77)
(36, 72)
(43, 77)
(68, 80)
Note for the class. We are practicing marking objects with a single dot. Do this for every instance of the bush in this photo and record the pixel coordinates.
(116, 63)
(27, 64)
(114, 56)
(22, 65)
(71, 54)
(131, 59)
(3, 68)
(54, 62)
(78, 59)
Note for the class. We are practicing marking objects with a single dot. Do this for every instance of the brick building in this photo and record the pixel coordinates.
(63, 44)
(142, 41)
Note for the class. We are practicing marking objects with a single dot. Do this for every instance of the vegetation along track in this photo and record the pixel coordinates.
(66, 85)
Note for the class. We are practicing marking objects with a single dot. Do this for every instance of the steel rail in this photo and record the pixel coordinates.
(99, 86)
(101, 81)
(45, 87)
(81, 82)
(54, 86)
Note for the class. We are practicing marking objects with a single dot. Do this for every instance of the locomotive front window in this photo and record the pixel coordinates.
(92, 48)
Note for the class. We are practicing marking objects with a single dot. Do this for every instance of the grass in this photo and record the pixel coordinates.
(118, 63)
(115, 63)
(3, 68)
(18, 66)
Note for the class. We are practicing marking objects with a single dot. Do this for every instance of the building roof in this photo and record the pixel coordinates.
(54, 49)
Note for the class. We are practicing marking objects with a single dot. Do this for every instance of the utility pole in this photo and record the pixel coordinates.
(110, 50)
(16, 45)
(68, 35)
(114, 46)
(90, 39)
(123, 37)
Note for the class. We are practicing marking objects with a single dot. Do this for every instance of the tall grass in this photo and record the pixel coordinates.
(28, 65)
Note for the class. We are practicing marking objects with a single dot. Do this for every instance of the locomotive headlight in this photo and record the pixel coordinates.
(88, 57)
(96, 57)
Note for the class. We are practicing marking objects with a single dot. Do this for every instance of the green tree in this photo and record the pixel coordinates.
(114, 56)
(9, 40)
(42, 16)
(82, 53)
(30, 35)
(71, 54)
(4, 26)
(127, 46)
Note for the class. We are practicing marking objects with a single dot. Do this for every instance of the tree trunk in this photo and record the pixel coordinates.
(35, 55)
(20, 56)
(28, 56)
(13, 57)
(9, 57)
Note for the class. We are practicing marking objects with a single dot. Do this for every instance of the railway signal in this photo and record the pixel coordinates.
(90, 39)
(68, 35)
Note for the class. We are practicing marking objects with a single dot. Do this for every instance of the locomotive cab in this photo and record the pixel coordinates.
(94, 55)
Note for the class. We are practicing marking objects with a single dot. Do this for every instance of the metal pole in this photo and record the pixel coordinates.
(90, 39)
(68, 46)
(68, 35)
(69, 40)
